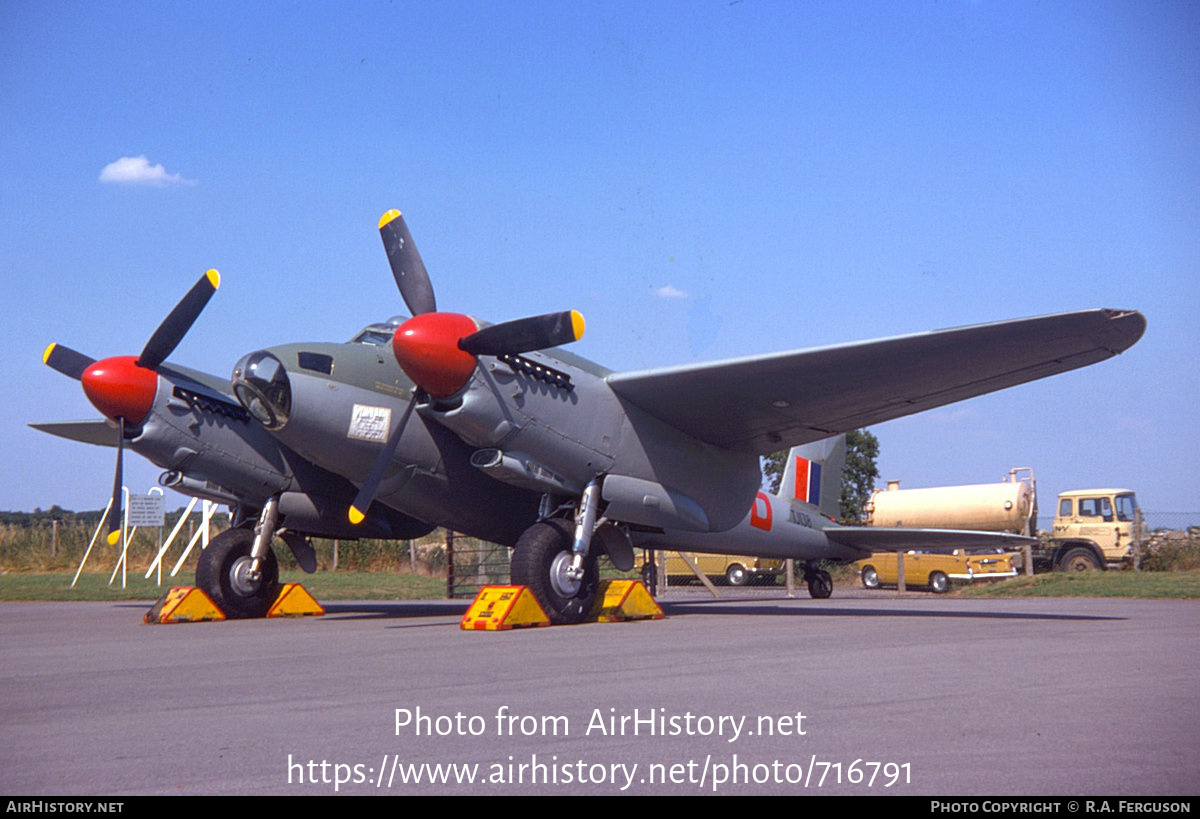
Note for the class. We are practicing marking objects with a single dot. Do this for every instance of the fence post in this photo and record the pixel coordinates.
(449, 564)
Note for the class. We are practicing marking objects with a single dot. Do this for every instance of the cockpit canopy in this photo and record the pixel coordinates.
(379, 335)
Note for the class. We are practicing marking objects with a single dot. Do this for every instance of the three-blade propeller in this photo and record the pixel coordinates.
(123, 387)
(439, 351)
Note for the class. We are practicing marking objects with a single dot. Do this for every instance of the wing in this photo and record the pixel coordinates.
(87, 432)
(883, 538)
(762, 404)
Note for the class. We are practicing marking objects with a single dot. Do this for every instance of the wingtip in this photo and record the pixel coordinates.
(1130, 324)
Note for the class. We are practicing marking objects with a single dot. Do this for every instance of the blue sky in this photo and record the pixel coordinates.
(700, 179)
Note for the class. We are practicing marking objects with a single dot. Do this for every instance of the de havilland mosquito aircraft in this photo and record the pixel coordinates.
(442, 419)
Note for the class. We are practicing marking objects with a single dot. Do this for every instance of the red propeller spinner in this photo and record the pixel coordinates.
(119, 388)
(427, 348)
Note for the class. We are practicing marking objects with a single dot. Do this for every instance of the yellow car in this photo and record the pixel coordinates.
(736, 570)
(934, 570)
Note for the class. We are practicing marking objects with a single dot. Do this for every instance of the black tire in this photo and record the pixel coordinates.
(1079, 559)
(538, 561)
(216, 575)
(870, 577)
(736, 575)
(820, 584)
(939, 583)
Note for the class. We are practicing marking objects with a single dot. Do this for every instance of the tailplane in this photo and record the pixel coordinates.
(813, 475)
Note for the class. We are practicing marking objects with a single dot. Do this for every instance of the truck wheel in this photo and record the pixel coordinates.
(939, 583)
(1079, 559)
(870, 577)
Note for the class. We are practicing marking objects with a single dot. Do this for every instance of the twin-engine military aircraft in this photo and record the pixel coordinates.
(488, 429)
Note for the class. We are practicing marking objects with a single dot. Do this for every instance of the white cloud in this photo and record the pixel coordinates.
(670, 291)
(137, 170)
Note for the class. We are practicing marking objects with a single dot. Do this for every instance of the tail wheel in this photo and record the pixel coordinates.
(939, 583)
(820, 584)
(540, 561)
(223, 574)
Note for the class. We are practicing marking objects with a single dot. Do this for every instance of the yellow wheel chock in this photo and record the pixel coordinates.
(188, 604)
(621, 600)
(500, 608)
(295, 601)
(183, 604)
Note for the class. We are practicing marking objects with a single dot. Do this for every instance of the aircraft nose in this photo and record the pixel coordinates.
(260, 382)
(119, 388)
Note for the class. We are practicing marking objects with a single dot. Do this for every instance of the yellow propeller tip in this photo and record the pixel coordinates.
(48, 351)
(114, 537)
(356, 517)
(577, 324)
(387, 217)
(214, 278)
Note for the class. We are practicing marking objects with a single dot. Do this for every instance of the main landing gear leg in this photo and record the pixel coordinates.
(585, 527)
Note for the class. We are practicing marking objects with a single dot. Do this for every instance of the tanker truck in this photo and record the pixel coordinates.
(1093, 528)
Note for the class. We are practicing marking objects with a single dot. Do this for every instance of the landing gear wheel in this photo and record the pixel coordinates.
(222, 575)
(736, 575)
(870, 577)
(540, 561)
(939, 583)
(820, 584)
(1079, 559)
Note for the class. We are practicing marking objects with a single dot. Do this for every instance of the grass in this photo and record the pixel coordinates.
(1180, 585)
(325, 585)
(322, 585)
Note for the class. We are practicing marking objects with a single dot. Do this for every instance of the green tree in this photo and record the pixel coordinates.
(858, 478)
(772, 469)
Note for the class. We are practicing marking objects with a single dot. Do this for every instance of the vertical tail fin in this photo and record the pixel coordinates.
(813, 474)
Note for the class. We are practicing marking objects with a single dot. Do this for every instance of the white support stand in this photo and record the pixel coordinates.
(126, 534)
(157, 564)
(91, 543)
(157, 490)
(206, 514)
